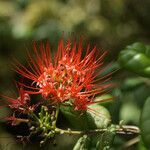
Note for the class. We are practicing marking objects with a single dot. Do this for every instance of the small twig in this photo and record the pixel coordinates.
(22, 120)
(18, 120)
(124, 129)
(128, 129)
(120, 130)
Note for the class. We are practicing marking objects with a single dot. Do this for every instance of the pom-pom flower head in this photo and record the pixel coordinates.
(71, 76)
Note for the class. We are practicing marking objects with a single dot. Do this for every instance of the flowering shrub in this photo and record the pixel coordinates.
(71, 82)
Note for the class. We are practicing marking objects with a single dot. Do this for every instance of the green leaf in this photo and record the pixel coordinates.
(105, 141)
(145, 123)
(75, 118)
(95, 117)
(100, 141)
(98, 116)
(134, 114)
(84, 143)
(136, 58)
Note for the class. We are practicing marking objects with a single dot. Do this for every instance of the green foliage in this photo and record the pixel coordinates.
(141, 145)
(134, 114)
(106, 140)
(84, 143)
(101, 141)
(96, 117)
(75, 118)
(145, 123)
(136, 58)
(99, 117)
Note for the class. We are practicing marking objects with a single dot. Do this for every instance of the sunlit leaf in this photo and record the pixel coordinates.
(136, 58)
(98, 116)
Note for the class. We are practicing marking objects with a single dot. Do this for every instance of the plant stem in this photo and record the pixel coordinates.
(56, 115)
(34, 116)
(128, 129)
(119, 130)
(21, 120)
(124, 129)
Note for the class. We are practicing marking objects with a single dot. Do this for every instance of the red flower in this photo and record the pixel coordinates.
(69, 77)
(20, 102)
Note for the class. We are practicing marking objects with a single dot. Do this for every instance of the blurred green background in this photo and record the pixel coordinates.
(111, 25)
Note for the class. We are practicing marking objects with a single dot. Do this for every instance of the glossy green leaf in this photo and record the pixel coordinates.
(98, 116)
(75, 118)
(95, 117)
(136, 58)
(145, 123)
